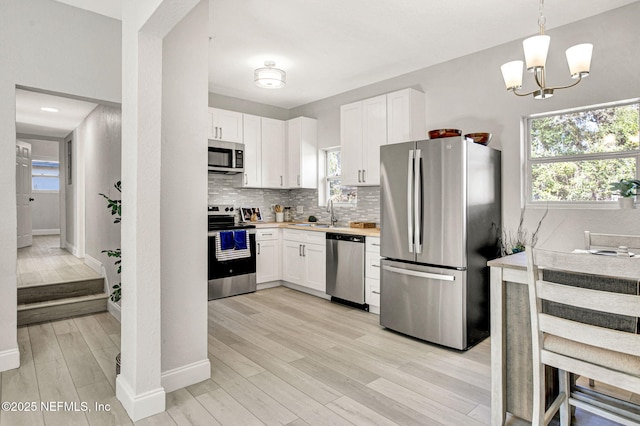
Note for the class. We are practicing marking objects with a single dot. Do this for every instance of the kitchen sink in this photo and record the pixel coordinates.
(311, 225)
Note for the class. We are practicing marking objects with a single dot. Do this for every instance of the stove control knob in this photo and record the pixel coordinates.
(230, 209)
(226, 209)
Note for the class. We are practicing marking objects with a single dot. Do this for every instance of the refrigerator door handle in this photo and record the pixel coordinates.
(410, 173)
(417, 202)
(419, 274)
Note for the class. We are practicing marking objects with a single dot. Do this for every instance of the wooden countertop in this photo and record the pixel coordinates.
(367, 232)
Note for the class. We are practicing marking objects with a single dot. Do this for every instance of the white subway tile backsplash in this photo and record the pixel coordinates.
(222, 191)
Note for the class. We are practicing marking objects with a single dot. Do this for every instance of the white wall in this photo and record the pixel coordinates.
(184, 201)
(100, 134)
(247, 107)
(468, 93)
(45, 208)
(52, 46)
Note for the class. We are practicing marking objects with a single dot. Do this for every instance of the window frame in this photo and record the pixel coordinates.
(45, 191)
(530, 161)
(328, 179)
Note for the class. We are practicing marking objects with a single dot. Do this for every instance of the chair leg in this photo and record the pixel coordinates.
(565, 386)
(537, 416)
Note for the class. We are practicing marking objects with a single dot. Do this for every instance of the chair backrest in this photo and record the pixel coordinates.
(604, 301)
(597, 240)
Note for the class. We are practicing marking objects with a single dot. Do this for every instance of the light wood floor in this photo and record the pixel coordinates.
(277, 357)
(45, 262)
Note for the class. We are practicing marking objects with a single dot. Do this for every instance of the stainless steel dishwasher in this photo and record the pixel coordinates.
(345, 269)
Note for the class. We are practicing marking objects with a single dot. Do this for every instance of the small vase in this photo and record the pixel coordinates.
(626, 203)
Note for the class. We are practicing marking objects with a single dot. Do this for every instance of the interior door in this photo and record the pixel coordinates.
(23, 193)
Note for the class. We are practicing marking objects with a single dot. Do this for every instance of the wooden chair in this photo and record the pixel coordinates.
(593, 240)
(607, 355)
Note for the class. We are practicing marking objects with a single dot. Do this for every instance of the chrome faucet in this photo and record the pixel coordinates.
(333, 219)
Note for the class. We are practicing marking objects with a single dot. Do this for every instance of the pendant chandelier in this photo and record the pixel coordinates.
(269, 77)
(535, 53)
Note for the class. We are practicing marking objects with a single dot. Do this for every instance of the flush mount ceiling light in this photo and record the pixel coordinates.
(535, 54)
(269, 77)
(49, 109)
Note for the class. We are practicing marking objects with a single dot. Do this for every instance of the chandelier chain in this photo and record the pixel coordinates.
(542, 20)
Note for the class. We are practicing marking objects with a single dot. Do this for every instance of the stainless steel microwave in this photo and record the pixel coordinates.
(226, 157)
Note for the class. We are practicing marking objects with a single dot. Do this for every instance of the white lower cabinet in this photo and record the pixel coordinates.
(304, 259)
(268, 248)
(372, 274)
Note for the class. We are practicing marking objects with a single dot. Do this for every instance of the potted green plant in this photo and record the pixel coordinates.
(627, 189)
(116, 210)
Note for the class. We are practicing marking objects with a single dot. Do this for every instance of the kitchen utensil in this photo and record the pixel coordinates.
(444, 133)
(481, 138)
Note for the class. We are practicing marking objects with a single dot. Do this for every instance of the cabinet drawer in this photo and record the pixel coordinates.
(372, 269)
(373, 292)
(267, 234)
(373, 245)
(313, 237)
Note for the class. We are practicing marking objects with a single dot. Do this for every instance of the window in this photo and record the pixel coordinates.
(45, 175)
(573, 156)
(337, 192)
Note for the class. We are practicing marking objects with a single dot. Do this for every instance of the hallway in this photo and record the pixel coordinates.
(45, 262)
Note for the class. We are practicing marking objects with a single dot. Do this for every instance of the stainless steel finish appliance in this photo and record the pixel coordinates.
(440, 220)
(345, 268)
(235, 275)
(226, 157)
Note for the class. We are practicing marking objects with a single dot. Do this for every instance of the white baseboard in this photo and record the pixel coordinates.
(139, 406)
(270, 284)
(10, 359)
(306, 290)
(71, 248)
(374, 309)
(114, 309)
(45, 231)
(187, 375)
(94, 264)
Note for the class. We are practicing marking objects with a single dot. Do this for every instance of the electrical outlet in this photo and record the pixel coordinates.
(299, 209)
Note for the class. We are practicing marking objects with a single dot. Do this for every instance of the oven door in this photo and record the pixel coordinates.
(231, 277)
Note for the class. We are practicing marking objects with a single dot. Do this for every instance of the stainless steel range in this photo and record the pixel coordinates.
(232, 254)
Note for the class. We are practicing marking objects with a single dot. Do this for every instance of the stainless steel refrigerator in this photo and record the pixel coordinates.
(440, 221)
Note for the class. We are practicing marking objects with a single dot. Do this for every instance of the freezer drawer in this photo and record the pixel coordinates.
(424, 302)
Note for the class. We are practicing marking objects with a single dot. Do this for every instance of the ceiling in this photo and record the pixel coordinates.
(30, 119)
(331, 46)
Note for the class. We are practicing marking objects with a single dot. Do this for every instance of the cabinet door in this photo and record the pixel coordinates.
(252, 151)
(351, 143)
(405, 116)
(292, 262)
(273, 172)
(374, 135)
(228, 125)
(294, 136)
(211, 133)
(302, 153)
(267, 261)
(315, 262)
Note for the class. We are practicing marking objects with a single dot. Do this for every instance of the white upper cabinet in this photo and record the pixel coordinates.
(350, 143)
(363, 129)
(302, 153)
(273, 153)
(368, 124)
(225, 125)
(252, 131)
(405, 116)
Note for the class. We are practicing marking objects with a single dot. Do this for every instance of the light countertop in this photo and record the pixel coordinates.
(368, 232)
(513, 261)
